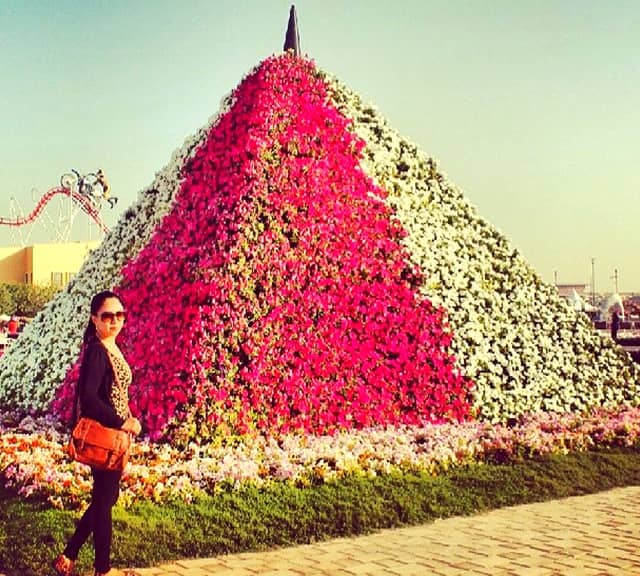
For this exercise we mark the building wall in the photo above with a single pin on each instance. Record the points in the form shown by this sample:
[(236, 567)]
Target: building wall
[(44, 264), (566, 290), (12, 264)]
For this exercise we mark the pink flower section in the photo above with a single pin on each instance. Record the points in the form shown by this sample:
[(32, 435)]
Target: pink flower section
[(276, 296)]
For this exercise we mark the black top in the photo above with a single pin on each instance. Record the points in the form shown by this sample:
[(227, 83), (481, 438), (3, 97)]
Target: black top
[(94, 387), (292, 37)]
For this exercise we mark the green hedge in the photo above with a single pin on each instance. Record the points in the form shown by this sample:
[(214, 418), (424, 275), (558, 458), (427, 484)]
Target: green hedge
[(24, 299)]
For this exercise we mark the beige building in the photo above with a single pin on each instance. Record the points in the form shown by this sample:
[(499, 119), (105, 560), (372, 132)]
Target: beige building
[(566, 290), (43, 264)]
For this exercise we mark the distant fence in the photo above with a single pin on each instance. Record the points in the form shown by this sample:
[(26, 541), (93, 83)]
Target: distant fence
[(624, 325), (628, 335)]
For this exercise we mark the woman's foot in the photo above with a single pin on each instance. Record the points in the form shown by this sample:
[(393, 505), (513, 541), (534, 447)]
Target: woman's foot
[(63, 566)]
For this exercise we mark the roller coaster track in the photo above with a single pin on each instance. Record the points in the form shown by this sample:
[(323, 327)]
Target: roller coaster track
[(83, 202)]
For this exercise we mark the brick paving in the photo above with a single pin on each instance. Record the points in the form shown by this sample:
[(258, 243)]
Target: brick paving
[(594, 535)]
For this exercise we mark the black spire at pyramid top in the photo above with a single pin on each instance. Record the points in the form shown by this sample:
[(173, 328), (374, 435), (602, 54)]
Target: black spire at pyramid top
[(292, 39)]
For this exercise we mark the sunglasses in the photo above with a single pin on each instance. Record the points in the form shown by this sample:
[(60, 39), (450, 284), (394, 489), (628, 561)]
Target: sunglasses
[(120, 316)]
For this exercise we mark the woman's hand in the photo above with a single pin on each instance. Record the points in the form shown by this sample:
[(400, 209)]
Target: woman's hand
[(132, 425)]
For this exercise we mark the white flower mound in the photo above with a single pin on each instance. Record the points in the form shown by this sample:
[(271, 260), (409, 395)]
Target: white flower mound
[(525, 348), (36, 364)]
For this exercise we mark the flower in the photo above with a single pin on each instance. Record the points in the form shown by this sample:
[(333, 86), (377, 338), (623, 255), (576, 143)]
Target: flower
[(524, 348), (317, 272), (34, 463)]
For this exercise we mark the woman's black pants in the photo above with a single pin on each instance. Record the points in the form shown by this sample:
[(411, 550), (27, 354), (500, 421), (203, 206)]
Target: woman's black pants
[(97, 519)]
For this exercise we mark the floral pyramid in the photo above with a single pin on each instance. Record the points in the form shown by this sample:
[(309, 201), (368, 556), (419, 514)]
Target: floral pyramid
[(300, 266)]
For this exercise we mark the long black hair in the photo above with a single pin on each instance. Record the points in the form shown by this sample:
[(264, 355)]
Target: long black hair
[(96, 303), (89, 337)]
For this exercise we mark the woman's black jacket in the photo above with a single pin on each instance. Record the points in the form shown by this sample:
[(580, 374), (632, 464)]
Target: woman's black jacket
[(94, 386)]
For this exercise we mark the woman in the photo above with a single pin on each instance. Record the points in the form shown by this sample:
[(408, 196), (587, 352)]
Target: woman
[(102, 394)]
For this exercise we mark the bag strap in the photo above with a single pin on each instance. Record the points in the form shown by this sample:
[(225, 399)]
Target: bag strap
[(76, 412)]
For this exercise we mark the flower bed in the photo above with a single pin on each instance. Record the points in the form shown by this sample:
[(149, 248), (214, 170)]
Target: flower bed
[(33, 461), (299, 266)]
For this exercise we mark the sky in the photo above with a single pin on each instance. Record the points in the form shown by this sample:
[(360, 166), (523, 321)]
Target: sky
[(530, 107)]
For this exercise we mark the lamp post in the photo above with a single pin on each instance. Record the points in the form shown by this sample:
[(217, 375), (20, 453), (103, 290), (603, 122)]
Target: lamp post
[(615, 280), (593, 281)]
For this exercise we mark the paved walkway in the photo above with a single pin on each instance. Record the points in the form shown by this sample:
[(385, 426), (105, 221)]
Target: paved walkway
[(593, 535)]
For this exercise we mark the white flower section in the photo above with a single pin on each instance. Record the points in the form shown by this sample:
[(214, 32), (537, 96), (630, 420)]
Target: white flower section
[(523, 346), (36, 364)]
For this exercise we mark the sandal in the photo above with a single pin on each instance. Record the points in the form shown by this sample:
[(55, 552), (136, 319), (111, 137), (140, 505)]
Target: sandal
[(63, 565)]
